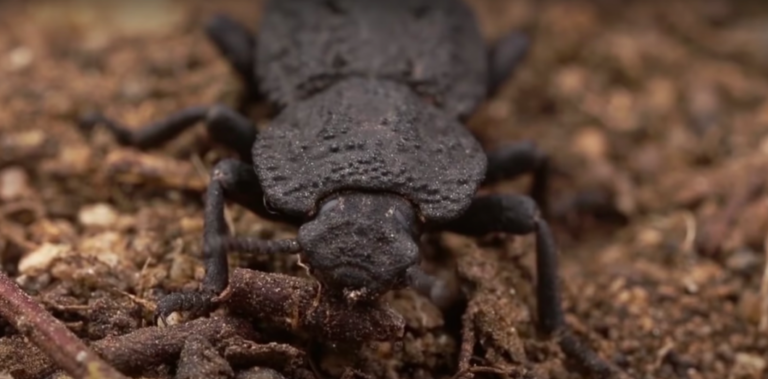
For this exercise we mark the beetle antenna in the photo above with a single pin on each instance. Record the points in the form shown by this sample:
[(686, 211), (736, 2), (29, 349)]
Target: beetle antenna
[(258, 245)]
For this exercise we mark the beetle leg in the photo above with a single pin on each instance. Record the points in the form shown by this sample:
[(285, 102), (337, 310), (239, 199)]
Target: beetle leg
[(230, 180), (504, 57), (224, 125), (232, 129), (518, 158), (519, 215), (238, 45)]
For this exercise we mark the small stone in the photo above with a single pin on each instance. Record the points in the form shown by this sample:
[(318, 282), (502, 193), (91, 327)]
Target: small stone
[(570, 81), (97, 215), (71, 160), (19, 58), (703, 275), (14, 184), (182, 268), (174, 318), (620, 112), (38, 261), (749, 364), (190, 225), (660, 96), (52, 230), (22, 146), (591, 143), (742, 260), (650, 237), (109, 247), (135, 89)]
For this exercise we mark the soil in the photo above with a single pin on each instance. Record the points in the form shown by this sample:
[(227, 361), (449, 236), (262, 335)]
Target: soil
[(654, 115)]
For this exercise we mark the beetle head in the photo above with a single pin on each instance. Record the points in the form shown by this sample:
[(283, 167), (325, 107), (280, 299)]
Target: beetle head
[(361, 244)]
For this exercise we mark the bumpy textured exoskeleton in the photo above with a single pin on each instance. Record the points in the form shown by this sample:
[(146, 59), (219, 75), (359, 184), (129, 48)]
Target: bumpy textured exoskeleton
[(367, 151)]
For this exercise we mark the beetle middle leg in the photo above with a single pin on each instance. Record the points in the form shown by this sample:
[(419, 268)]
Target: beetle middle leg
[(230, 180), (224, 125), (519, 215), (518, 158)]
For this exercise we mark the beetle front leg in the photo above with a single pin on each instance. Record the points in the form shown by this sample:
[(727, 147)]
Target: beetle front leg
[(519, 215), (518, 158), (236, 181), (224, 125)]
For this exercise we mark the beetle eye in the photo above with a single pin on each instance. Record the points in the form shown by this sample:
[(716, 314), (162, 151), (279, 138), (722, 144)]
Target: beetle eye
[(330, 204), (403, 220)]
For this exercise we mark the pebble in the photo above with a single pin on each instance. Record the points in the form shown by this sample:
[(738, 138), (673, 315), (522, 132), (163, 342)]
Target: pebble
[(620, 111), (749, 364), (570, 81), (39, 260), (182, 268), (23, 145), (20, 58), (660, 96), (591, 143), (97, 215), (14, 184), (71, 160), (742, 260), (109, 247), (190, 225)]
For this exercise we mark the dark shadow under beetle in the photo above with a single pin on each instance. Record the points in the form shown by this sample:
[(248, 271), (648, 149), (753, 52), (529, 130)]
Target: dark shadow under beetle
[(367, 151)]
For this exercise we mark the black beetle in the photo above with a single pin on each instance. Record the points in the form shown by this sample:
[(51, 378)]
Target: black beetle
[(367, 151)]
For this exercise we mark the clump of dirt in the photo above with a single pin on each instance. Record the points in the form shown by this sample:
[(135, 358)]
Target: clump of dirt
[(654, 114)]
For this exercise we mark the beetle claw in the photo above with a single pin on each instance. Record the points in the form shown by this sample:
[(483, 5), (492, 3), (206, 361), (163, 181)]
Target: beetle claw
[(196, 304)]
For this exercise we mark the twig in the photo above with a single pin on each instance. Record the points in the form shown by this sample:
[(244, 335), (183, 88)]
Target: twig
[(277, 356), (689, 243), (144, 349), (50, 335), (468, 338), (295, 304), (289, 303)]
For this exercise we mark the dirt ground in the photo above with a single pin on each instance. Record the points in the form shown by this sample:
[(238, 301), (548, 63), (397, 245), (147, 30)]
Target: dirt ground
[(654, 113)]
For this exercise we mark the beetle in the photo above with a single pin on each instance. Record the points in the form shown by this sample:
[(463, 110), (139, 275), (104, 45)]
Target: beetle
[(368, 150)]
